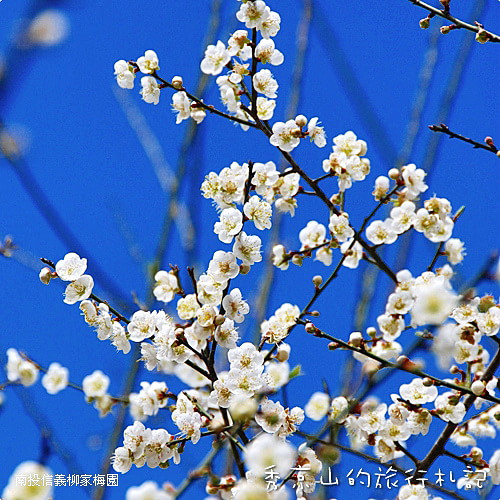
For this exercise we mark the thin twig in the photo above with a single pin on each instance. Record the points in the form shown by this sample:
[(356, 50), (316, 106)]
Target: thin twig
[(488, 144), (457, 22)]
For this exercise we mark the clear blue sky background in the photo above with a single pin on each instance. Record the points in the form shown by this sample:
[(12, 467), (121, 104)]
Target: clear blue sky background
[(95, 172)]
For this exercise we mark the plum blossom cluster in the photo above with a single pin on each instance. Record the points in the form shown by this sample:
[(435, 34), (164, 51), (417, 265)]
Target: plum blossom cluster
[(144, 446)]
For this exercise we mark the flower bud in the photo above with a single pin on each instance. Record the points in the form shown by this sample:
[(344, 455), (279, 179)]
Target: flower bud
[(283, 353), (477, 387), (244, 268), (355, 339), (445, 29), (424, 23), (317, 280), (177, 82), (371, 331), (310, 328), (301, 121), (476, 454), (393, 173), (486, 303), (482, 36), (336, 199), (219, 319), (45, 275), (427, 382), (297, 260), (328, 454)]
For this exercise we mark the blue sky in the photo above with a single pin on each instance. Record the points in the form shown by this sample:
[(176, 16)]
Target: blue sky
[(83, 152)]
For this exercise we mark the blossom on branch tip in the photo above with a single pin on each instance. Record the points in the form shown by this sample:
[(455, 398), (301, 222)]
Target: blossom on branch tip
[(253, 14), (125, 74), (71, 267)]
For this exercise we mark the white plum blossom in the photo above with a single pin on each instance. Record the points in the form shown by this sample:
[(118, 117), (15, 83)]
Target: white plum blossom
[(455, 250), (71, 267), (271, 25), (34, 489), (494, 463), (402, 217), (413, 178), (216, 58), (148, 63), (150, 90), (142, 326), (447, 410), (48, 28), (338, 409), (317, 406), (413, 492), (264, 177), (340, 227), (316, 133), (349, 144), (264, 83), (277, 375), (381, 187), (208, 290), (56, 378), (286, 136), (79, 289), (267, 53), (95, 385), (125, 74), (433, 304), (279, 257), (312, 235), (253, 14), (381, 232), (230, 224), (267, 450), (489, 322), (353, 252), (235, 306), (181, 105), (149, 490), (391, 326), (247, 248), (265, 108), (226, 334), (187, 306), (385, 449), (399, 303), (166, 286), (258, 211), (372, 416), (20, 369), (238, 43), (223, 266), (417, 393)]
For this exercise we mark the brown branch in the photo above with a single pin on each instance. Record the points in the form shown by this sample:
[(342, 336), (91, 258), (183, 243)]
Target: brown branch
[(403, 366), (457, 23), (488, 142), (439, 446)]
